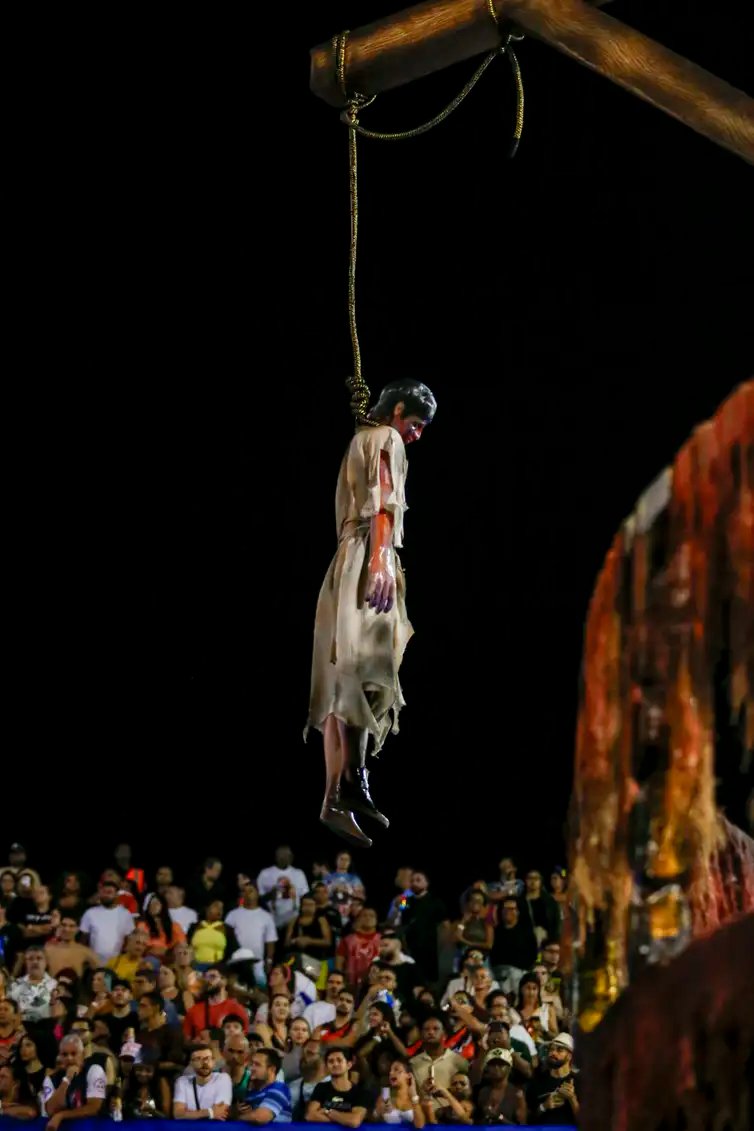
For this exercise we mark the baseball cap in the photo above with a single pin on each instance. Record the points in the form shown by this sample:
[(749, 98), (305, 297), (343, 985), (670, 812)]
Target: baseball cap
[(565, 1040), (16, 847), (505, 1055)]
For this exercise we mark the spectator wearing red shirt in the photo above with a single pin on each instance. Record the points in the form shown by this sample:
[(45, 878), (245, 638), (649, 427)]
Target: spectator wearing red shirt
[(214, 1006), (357, 951), (342, 1030)]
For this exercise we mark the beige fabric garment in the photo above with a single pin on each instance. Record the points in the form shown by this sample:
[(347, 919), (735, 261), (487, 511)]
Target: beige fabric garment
[(357, 652)]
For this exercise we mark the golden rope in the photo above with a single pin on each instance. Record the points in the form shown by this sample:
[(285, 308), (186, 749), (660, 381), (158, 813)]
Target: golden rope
[(354, 103), (356, 384), (402, 135)]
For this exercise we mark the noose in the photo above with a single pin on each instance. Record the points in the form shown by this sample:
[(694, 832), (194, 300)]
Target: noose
[(354, 103)]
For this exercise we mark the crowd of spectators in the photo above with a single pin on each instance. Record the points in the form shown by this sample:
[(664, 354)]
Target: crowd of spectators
[(284, 997)]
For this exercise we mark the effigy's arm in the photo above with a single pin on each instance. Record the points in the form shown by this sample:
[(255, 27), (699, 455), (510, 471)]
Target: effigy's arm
[(380, 594)]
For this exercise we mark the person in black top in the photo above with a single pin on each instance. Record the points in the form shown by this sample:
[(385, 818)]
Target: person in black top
[(514, 948), (207, 886), (337, 1100), (36, 1056), (552, 1093), (423, 917), (11, 939), (310, 932), (542, 909)]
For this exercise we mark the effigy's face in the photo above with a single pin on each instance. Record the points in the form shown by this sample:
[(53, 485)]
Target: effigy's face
[(409, 428)]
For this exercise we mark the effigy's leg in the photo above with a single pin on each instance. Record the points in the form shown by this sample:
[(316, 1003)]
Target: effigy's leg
[(336, 810), (354, 742)]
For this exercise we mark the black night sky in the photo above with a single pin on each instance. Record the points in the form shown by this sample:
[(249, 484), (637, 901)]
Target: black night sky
[(184, 226)]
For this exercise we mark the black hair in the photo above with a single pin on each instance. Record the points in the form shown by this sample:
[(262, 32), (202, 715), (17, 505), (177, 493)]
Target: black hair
[(75, 915), (168, 926), (274, 1058), (347, 1053), (156, 999), (219, 968), (526, 979), (234, 1017), (435, 1015), (418, 400), (493, 995), (384, 1009)]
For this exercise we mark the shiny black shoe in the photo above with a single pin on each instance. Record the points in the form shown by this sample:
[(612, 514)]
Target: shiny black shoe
[(356, 794), (336, 815)]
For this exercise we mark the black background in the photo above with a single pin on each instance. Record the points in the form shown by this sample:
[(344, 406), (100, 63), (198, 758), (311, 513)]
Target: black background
[(180, 208)]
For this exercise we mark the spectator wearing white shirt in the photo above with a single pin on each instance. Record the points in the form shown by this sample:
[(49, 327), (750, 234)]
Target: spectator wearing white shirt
[(322, 1012), (269, 878), (184, 916), (255, 930), (106, 926), (204, 1094)]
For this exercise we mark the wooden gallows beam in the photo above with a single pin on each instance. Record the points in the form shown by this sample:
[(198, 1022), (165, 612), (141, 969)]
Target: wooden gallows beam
[(431, 36)]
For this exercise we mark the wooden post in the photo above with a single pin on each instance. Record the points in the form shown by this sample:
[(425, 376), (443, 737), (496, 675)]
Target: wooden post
[(431, 36)]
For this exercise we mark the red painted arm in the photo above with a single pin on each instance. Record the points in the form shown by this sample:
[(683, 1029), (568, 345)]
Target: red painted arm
[(380, 594)]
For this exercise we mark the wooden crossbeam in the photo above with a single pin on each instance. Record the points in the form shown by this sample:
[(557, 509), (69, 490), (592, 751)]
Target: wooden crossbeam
[(437, 33)]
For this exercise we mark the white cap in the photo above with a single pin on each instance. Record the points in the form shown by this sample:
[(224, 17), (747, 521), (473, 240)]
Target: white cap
[(243, 954)]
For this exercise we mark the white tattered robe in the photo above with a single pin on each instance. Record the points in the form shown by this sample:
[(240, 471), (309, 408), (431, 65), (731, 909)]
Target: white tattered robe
[(357, 651)]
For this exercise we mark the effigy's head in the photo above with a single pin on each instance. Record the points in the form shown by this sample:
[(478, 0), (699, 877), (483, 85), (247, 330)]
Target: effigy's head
[(407, 406)]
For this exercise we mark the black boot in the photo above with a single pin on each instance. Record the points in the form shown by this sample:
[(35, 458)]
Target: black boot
[(337, 816), (356, 794)]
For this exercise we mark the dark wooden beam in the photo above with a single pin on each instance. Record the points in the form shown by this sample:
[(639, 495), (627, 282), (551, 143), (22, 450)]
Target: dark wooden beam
[(437, 33)]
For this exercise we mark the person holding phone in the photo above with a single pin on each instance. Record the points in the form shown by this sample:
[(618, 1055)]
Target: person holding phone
[(435, 1065)]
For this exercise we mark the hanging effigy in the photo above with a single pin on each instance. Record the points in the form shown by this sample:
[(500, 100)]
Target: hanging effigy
[(361, 624)]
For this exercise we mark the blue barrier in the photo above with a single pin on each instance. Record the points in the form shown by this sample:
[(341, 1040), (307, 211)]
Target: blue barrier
[(7, 1124)]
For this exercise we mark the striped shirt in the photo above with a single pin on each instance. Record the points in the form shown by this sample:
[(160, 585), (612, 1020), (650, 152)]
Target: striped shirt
[(276, 1097)]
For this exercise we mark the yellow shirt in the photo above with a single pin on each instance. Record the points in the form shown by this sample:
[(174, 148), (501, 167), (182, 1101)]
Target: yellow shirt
[(209, 942), (125, 967)]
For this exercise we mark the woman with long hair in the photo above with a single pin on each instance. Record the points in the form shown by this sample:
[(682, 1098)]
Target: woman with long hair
[(36, 1059), (100, 993), (147, 1095), (187, 978), (309, 932), (399, 1102), (275, 1032), (559, 889), (163, 932), (380, 1035), (475, 929), (532, 1009), (167, 984), (299, 1032), (283, 980), (62, 1013)]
